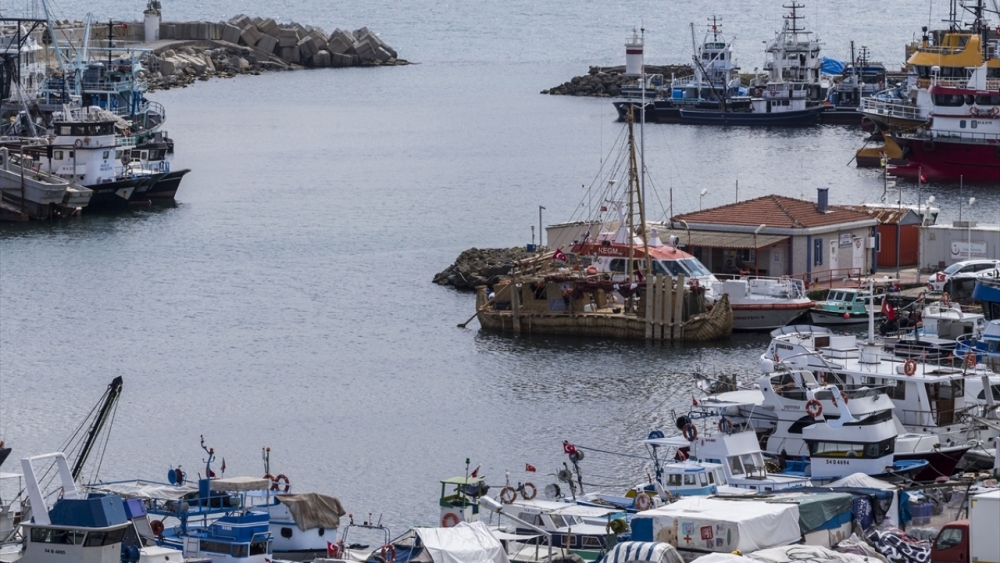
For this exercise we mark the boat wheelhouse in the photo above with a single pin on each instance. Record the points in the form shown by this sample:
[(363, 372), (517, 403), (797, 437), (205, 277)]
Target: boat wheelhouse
[(843, 305)]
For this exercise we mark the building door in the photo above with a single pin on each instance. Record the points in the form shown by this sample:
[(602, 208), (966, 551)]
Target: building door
[(832, 262), (858, 256)]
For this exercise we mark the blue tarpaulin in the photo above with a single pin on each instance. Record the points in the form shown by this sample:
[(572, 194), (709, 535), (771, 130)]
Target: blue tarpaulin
[(832, 66)]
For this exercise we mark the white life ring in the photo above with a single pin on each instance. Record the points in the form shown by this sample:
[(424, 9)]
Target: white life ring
[(643, 502)]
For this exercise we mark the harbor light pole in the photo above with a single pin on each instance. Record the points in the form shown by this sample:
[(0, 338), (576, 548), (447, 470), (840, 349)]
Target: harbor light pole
[(540, 237), (701, 196)]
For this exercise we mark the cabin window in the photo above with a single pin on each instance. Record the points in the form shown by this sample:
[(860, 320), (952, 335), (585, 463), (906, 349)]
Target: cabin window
[(69, 537), (996, 393), (894, 390), (258, 547), (975, 124), (557, 521), (949, 100), (618, 265), (673, 480), (703, 479), (591, 542), (711, 478), (749, 463), (71, 155), (988, 99), (214, 546), (689, 479), (57, 155), (65, 130), (107, 154), (961, 124), (104, 538), (722, 478), (240, 550), (570, 540), (735, 466)]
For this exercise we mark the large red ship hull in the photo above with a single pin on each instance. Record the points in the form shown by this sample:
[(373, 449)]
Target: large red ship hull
[(942, 160)]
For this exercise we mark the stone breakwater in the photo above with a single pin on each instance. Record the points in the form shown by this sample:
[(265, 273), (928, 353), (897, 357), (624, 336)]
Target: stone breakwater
[(245, 45), (481, 266), (606, 82)]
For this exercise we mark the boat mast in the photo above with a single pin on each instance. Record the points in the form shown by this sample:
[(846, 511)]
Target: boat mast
[(635, 199), (110, 398)]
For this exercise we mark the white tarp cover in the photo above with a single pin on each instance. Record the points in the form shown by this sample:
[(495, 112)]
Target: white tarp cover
[(706, 524), (655, 552), (723, 558), (146, 490), (240, 484), (810, 553), (863, 481), (464, 543)]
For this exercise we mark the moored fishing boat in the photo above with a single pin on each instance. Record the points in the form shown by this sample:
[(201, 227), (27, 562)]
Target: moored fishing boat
[(842, 306)]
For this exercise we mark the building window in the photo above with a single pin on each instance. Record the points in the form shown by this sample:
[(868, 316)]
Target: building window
[(818, 251)]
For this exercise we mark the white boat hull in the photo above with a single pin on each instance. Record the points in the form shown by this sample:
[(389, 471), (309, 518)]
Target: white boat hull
[(762, 318), (833, 318)]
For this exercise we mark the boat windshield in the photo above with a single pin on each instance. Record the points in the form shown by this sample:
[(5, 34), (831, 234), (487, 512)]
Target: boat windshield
[(673, 267), (695, 267)]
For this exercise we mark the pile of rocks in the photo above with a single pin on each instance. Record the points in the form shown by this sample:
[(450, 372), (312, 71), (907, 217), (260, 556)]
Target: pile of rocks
[(481, 266), (309, 45), (183, 65), (606, 82)]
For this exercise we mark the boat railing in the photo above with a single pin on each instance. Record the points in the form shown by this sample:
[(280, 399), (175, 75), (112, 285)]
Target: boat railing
[(967, 137), (830, 277), (899, 110)]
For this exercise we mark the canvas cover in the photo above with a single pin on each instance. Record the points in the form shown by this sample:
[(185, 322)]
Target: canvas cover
[(656, 552), (144, 490), (707, 524), (799, 553), (464, 543), (862, 481), (723, 558), (240, 484), (313, 510), (816, 509)]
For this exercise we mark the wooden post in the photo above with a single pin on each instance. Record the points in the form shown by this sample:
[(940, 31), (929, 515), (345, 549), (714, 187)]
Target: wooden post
[(650, 299), (515, 306), (676, 317), (664, 304)]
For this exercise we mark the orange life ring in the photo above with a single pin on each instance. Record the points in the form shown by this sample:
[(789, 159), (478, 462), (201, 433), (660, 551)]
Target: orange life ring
[(276, 483), (528, 491), (969, 360), (843, 395), (157, 527), (389, 553), (910, 367), (680, 455), (995, 110), (814, 408), (690, 432), (946, 299), (974, 111), (643, 502), (508, 495), (449, 520), (591, 270)]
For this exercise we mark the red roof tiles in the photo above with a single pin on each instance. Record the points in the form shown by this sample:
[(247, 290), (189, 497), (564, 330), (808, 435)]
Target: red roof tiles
[(774, 211)]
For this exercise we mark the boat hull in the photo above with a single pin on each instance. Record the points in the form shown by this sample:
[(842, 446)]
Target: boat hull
[(165, 187), (943, 160), (638, 110), (765, 317), (819, 317), (840, 116), (116, 196), (798, 118), (940, 462)]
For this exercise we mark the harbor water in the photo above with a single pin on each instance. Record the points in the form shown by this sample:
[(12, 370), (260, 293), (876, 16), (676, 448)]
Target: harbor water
[(285, 301)]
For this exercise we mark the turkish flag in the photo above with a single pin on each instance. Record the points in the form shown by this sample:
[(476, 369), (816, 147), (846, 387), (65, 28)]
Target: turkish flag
[(888, 310), (331, 550), (923, 178), (529, 468), (559, 255)]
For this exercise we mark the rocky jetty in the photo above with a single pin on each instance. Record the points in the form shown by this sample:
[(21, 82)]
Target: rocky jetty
[(606, 82), (481, 266), (245, 45)]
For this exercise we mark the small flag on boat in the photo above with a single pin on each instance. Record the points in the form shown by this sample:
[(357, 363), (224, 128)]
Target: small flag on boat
[(475, 472), (888, 310), (124, 25), (923, 178), (604, 208), (694, 401), (529, 468), (559, 255), (568, 448), (223, 465), (331, 550)]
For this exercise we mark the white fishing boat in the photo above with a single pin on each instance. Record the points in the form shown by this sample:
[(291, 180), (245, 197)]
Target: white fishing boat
[(762, 303)]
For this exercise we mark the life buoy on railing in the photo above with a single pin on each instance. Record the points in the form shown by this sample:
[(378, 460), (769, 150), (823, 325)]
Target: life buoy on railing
[(946, 299), (389, 553), (814, 408), (157, 528), (974, 111), (725, 425), (78, 143), (690, 432), (528, 491), (910, 367), (995, 111), (508, 495), (643, 502), (277, 481), (969, 360), (450, 519), (843, 395), (591, 270)]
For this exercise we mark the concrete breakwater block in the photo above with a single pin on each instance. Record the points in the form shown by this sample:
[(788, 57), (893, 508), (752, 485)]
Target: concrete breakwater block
[(307, 48), (250, 35), (288, 37), (321, 59), (289, 54), (267, 26), (267, 43), (340, 42), (240, 21), (365, 51), (341, 60), (231, 33)]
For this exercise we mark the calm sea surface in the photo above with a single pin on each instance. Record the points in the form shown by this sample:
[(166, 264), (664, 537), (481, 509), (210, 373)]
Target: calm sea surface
[(285, 301)]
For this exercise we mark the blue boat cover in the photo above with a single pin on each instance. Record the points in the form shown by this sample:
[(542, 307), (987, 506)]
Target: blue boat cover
[(831, 66), (94, 512)]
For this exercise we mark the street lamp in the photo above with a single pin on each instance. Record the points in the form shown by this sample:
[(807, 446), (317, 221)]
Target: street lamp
[(703, 192), (968, 224), (756, 257), (540, 237)]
